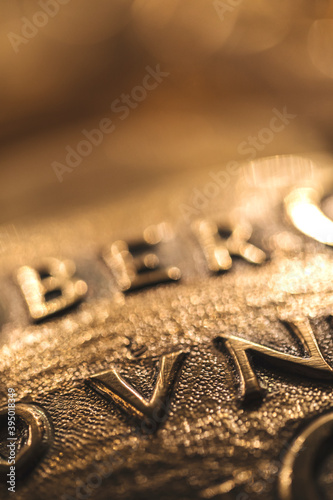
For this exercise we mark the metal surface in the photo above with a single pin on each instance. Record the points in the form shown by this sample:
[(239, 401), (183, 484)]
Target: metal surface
[(141, 387)]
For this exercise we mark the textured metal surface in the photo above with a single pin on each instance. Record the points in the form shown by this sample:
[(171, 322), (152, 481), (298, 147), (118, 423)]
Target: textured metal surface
[(210, 445)]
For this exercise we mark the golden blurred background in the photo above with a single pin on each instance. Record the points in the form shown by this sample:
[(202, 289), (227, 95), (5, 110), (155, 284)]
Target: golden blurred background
[(98, 98)]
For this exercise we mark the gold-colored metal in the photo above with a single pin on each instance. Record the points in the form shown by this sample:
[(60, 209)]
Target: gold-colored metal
[(112, 386), (135, 266), (302, 207), (112, 366), (219, 250), (297, 479), (312, 366), (39, 436), (50, 288)]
